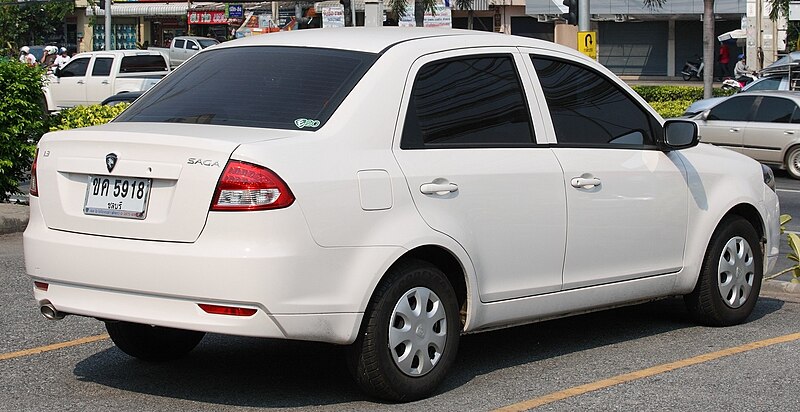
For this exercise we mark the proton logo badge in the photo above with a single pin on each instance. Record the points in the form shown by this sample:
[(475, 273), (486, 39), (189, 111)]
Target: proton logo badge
[(111, 161)]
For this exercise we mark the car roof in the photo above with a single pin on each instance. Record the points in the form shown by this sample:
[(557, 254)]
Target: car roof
[(120, 53), (378, 39)]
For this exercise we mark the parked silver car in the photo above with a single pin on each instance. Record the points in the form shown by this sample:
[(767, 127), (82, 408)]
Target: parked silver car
[(764, 125)]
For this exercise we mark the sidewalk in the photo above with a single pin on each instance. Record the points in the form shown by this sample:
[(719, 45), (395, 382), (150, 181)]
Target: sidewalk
[(13, 218)]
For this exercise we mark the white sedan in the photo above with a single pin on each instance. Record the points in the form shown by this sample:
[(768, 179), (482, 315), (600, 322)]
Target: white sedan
[(388, 189)]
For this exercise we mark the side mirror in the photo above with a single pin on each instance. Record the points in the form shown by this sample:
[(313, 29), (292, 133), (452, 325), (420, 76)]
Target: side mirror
[(57, 72), (194, 47), (679, 134), (704, 115)]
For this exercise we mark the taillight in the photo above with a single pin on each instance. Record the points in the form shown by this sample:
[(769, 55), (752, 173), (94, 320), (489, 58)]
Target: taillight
[(34, 181), (245, 186)]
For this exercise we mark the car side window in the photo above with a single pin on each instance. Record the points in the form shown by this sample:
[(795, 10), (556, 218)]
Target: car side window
[(736, 108), (769, 83), (102, 66), (775, 110), (75, 68), (475, 101), (190, 44), (179, 43), (588, 109)]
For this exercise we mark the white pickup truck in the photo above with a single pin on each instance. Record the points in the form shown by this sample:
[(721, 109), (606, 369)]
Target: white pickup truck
[(91, 77), (183, 47)]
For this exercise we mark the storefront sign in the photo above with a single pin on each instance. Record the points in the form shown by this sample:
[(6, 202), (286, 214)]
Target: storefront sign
[(333, 16), (440, 18), (207, 17), (235, 11)]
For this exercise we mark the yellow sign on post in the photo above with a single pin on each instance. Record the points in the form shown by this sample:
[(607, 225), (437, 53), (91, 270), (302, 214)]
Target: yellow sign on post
[(587, 43)]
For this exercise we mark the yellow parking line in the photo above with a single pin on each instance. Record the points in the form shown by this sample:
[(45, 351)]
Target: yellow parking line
[(55, 346), (644, 373)]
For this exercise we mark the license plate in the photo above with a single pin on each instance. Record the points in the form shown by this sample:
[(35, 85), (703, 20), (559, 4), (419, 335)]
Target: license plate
[(117, 196)]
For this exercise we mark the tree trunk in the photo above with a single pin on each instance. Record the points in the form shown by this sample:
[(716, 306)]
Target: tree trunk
[(708, 48), (419, 13), (470, 16)]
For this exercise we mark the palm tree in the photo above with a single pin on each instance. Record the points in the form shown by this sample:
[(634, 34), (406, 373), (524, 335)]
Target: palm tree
[(397, 9), (466, 5)]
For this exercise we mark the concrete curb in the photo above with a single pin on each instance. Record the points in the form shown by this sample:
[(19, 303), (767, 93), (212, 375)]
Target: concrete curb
[(13, 218), (781, 289)]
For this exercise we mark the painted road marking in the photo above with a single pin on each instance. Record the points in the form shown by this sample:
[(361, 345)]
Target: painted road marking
[(55, 346), (644, 373)]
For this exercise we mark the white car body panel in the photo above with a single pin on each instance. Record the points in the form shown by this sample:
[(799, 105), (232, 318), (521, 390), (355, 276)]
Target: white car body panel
[(311, 268)]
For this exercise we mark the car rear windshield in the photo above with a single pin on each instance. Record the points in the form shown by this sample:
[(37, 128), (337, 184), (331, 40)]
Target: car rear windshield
[(296, 88), (141, 64)]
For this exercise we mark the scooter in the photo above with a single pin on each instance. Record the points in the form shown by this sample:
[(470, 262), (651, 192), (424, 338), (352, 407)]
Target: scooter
[(735, 85), (692, 69)]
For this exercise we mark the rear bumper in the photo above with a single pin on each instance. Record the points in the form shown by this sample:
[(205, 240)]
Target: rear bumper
[(261, 260)]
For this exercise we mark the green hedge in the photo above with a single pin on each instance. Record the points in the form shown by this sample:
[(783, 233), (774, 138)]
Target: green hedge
[(675, 93), (672, 108), (23, 120), (85, 116)]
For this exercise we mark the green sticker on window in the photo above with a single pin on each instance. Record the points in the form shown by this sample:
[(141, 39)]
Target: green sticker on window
[(303, 123)]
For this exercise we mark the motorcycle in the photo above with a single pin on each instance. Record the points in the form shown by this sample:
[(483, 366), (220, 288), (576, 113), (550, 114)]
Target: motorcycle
[(692, 69), (736, 85)]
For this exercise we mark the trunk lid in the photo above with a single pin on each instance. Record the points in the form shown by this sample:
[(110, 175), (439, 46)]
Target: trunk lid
[(175, 166)]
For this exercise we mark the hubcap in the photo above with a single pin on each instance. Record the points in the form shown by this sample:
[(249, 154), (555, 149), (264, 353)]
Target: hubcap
[(417, 331), (794, 163), (736, 272)]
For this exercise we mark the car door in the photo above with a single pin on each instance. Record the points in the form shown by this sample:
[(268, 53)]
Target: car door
[(725, 123), (69, 88), (773, 129), (468, 146), (98, 82), (178, 51), (627, 201)]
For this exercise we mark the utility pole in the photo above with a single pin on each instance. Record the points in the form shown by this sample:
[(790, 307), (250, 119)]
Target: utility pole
[(584, 18), (108, 24)]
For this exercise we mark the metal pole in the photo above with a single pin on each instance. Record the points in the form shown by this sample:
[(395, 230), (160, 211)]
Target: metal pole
[(108, 25), (584, 18)]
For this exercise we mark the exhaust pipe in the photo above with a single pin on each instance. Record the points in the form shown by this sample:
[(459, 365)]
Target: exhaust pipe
[(49, 312)]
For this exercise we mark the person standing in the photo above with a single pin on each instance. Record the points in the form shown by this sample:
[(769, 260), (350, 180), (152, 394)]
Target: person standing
[(724, 60)]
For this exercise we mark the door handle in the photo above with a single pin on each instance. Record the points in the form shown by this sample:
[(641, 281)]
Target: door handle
[(734, 130), (583, 182), (104, 82), (80, 81), (788, 132), (438, 188)]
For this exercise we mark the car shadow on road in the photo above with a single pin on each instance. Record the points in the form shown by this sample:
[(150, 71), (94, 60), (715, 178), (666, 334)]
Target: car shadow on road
[(251, 372)]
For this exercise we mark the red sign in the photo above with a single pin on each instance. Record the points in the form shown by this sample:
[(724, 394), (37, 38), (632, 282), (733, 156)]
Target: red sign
[(207, 17)]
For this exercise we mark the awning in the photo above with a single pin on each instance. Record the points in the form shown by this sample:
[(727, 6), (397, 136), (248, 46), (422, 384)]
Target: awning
[(733, 35), (144, 9)]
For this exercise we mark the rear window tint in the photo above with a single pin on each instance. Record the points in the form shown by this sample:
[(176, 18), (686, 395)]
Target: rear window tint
[(139, 64), (296, 88)]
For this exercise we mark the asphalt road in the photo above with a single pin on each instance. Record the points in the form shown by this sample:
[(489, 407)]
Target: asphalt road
[(493, 370)]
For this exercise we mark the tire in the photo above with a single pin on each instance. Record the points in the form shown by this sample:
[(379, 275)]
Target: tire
[(396, 322), (730, 278), (792, 162), (152, 343), (686, 77)]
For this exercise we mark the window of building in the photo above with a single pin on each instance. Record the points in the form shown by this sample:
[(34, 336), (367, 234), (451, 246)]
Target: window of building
[(467, 102)]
